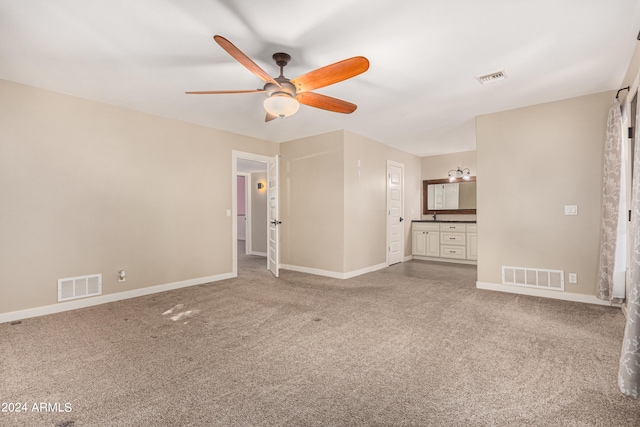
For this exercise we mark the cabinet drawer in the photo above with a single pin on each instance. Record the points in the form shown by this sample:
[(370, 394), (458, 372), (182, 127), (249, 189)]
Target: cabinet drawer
[(457, 252), (452, 238), (421, 226), (472, 228), (461, 228)]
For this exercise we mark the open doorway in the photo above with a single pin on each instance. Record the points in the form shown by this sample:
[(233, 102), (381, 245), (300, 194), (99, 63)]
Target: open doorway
[(254, 196), (251, 212)]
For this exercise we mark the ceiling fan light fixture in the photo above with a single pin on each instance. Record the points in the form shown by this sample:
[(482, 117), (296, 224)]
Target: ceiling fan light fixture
[(281, 105)]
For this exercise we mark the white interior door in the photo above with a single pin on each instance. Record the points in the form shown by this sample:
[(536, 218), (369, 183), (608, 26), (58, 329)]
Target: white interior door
[(395, 224), (273, 258)]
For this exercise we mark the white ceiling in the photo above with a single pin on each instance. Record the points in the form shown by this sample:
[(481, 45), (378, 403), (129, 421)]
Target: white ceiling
[(420, 93)]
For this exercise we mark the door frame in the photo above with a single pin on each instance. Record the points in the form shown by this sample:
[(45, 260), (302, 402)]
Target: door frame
[(235, 155), (388, 230)]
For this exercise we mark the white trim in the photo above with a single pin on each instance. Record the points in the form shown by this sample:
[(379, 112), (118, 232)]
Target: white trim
[(103, 299), (408, 258), (544, 293), (365, 270), (333, 274)]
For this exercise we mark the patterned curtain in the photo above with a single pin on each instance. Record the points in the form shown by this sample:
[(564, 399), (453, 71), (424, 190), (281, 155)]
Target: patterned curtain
[(612, 230), (629, 373)]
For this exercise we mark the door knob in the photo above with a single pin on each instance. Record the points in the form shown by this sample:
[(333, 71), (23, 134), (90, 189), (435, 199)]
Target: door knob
[(401, 219), (276, 222)]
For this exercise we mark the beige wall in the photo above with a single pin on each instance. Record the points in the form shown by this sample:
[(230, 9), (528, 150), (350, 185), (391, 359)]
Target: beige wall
[(531, 163), (365, 200), (259, 213), (91, 188), (437, 167), (334, 220), (312, 202)]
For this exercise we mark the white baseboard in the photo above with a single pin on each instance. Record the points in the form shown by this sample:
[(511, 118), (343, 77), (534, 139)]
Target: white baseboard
[(103, 299), (565, 296), (407, 258), (264, 254), (333, 274)]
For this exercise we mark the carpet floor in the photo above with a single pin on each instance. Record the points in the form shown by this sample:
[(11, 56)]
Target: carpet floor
[(413, 344)]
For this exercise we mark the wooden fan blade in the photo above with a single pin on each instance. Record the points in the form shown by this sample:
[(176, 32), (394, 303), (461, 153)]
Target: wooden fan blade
[(326, 102), (331, 74), (217, 92), (270, 117), (244, 60)]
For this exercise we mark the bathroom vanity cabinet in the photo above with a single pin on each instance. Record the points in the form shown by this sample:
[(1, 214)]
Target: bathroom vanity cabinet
[(448, 241)]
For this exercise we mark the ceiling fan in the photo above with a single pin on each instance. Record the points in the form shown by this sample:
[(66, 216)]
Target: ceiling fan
[(284, 96)]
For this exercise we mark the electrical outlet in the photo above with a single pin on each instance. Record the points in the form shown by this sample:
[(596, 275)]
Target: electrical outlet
[(573, 278), (122, 276)]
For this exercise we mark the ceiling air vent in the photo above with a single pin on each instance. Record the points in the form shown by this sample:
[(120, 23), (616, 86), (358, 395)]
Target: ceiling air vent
[(493, 77)]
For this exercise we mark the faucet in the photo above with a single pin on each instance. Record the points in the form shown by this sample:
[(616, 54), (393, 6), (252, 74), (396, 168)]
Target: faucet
[(434, 216)]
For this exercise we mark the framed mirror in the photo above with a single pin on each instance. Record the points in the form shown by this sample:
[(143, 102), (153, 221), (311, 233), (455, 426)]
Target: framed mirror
[(444, 197)]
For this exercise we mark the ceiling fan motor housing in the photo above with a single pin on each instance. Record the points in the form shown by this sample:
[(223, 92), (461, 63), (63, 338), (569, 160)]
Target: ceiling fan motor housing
[(287, 89)]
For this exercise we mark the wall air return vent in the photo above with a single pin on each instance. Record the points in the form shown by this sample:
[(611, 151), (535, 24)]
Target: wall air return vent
[(533, 278), (79, 287), (493, 77)]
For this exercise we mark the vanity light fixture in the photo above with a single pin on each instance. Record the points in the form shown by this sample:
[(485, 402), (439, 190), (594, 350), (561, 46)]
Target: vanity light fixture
[(454, 174), (260, 186)]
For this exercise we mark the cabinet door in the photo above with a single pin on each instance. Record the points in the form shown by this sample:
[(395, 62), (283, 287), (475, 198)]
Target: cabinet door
[(419, 246), (472, 246), (432, 243)]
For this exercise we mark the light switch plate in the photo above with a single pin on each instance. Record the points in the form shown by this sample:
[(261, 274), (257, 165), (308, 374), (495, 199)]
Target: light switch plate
[(571, 210)]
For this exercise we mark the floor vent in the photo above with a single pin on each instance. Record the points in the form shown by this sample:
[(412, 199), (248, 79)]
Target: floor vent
[(533, 278), (79, 287)]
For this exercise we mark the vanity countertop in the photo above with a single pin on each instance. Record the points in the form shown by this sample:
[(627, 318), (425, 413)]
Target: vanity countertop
[(443, 220)]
